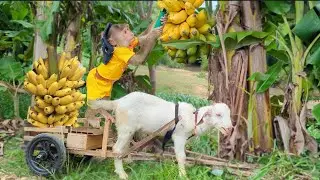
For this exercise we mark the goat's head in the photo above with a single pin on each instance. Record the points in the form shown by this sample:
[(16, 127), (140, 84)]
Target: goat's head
[(218, 116)]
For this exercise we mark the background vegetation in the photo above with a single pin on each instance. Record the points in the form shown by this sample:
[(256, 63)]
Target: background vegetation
[(290, 35)]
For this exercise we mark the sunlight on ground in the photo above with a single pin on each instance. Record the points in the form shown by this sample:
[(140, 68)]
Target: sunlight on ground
[(187, 81)]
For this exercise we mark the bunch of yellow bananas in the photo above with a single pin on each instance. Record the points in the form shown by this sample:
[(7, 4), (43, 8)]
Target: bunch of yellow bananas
[(184, 23), (57, 99)]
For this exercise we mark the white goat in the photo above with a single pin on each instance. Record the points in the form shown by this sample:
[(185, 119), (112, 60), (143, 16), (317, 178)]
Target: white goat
[(141, 111)]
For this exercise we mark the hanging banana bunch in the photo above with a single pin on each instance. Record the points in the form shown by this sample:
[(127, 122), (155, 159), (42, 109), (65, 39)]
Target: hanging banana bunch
[(57, 100), (184, 23)]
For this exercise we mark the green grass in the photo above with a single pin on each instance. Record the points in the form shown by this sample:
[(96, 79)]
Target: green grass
[(185, 81), (76, 168)]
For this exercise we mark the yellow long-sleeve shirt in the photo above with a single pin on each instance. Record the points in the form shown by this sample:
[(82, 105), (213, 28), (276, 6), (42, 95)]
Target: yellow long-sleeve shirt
[(100, 79)]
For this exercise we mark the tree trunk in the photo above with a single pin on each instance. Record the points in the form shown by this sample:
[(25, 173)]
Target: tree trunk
[(40, 48), (94, 37), (152, 74), (152, 69), (15, 98), (73, 38), (262, 125), (227, 76)]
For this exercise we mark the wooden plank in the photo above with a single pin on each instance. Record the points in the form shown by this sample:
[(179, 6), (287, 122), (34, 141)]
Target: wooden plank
[(191, 160), (87, 130), (47, 130), (105, 138), (29, 138), (96, 153), (83, 141), (82, 120), (149, 138)]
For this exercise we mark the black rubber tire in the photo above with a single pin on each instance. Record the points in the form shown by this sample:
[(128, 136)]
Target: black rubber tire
[(59, 159)]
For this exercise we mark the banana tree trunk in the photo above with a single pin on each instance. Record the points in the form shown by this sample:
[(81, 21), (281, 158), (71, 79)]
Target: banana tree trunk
[(93, 36), (40, 47), (227, 76), (145, 15), (94, 45), (152, 74), (73, 38), (261, 139)]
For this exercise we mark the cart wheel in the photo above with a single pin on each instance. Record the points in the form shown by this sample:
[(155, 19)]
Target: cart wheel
[(45, 154)]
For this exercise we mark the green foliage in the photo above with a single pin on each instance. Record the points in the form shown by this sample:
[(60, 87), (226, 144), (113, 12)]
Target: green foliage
[(46, 26), (278, 7), (77, 167), (195, 101), (16, 30), (266, 80), (156, 54), (6, 104), (232, 40), (316, 112), (107, 11), (282, 166), (10, 70), (166, 61), (310, 18), (279, 48), (236, 40)]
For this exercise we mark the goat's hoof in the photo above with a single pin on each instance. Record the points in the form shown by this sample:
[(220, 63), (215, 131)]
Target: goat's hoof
[(123, 175)]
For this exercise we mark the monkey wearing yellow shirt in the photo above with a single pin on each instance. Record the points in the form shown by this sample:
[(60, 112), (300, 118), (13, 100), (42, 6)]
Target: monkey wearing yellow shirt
[(118, 43)]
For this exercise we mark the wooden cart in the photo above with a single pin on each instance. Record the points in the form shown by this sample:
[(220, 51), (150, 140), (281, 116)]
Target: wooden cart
[(47, 148)]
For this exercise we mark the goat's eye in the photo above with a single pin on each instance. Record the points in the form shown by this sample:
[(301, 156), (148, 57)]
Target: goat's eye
[(218, 114)]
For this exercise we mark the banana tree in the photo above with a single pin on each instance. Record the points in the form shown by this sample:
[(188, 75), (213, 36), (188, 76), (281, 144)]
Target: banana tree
[(11, 78), (230, 63), (297, 52)]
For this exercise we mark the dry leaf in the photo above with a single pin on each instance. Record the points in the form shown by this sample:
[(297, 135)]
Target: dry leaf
[(310, 143), (284, 132), (1, 148), (299, 141)]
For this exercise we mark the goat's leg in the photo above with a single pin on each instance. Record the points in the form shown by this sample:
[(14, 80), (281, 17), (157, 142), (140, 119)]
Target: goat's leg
[(120, 147), (179, 149)]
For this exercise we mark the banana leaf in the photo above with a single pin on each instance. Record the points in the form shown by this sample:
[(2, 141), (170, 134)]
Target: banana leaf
[(309, 26), (183, 44), (316, 112), (117, 91), (270, 77), (278, 7), (233, 40), (143, 81), (155, 55)]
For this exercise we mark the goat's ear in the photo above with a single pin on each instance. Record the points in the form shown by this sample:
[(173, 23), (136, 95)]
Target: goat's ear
[(204, 112)]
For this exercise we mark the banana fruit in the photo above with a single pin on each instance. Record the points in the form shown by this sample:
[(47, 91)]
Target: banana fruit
[(57, 98), (185, 22)]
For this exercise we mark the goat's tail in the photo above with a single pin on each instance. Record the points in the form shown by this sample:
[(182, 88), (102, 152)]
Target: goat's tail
[(103, 104)]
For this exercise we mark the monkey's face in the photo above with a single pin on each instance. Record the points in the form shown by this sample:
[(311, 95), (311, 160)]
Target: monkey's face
[(122, 37)]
